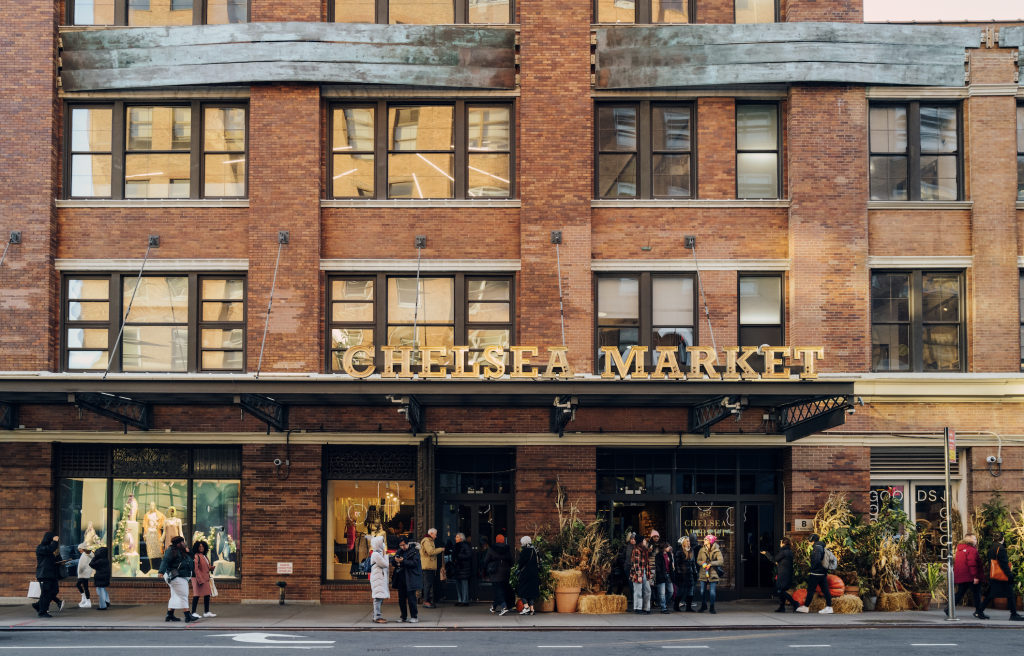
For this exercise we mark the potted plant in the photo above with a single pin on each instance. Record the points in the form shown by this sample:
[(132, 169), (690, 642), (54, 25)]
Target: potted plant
[(933, 579)]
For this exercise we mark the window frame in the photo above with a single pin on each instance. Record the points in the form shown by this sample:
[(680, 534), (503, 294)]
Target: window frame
[(116, 315), (382, 13), (380, 314), (645, 308), (777, 151), (381, 152), (119, 146), (643, 14), (913, 152), (221, 325), (199, 13), (778, 15), (66, 324), (1020, 151), (645, 148), (757, 361), (917, 321)]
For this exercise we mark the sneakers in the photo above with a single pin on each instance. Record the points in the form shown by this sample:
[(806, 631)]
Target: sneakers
[(525, 611), (401, 619), (803, 609), (414, 621), (827, 610), (380, 621), (208, 614), (60, 605), (503, 611), (86, 604), (81, 604), (492, 609)]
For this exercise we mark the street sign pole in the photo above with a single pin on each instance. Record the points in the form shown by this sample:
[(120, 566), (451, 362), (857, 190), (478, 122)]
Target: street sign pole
[(949, 456)]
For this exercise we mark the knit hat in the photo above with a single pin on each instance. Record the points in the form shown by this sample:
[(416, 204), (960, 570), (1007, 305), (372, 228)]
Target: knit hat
[(500, 539), (712, 539)]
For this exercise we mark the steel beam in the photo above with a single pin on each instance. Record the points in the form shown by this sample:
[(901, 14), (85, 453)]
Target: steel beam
[(705, 415), (8, 416), (271, 412), (118, 408), (808, 416)]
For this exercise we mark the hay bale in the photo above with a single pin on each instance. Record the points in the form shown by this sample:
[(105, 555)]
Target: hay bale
[(602, 604), (568, 578), (817, 604), (895, 602), (848, 605)]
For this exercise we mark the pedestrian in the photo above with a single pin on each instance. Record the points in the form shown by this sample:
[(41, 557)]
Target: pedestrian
[(46, 573), (652, 547), (817, 577), (202, 585), (408, 578), (177, 568), (1000, 583), (686, 573), (664, 567), (640, 576), (709, 559), (428, 563), (378, 578), (623, 562), (498, 565), (528, 588), (84, 572), (783, 574), (101, 577), (463, 557), (968, 571)]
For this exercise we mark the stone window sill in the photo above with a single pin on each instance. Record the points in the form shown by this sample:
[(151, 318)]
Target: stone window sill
[(371, 204), (139, 203), (925, 205), (721, 204)]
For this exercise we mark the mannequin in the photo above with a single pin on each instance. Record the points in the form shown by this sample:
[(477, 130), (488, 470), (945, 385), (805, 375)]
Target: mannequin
[(172, 526), (133, 505), (153, 522), (91, 538)]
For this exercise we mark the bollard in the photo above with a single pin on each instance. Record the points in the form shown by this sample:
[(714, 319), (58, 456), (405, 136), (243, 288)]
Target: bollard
[(281, 584)]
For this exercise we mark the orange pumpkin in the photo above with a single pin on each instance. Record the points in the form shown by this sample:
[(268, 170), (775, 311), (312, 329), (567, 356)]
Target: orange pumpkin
[(800, 596), (836, 588)]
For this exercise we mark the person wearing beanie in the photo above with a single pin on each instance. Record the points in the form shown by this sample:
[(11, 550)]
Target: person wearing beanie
[(84, 572), (528, 587), (46, 573), (686, 572), (709, 559), (498, 566), (653, 548), (177, 567)]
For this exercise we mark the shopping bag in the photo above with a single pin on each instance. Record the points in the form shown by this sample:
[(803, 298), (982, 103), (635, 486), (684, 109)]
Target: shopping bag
[(33, 590), (213, 588)]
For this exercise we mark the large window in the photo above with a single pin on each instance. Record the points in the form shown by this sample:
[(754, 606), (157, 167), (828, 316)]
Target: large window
[(645, 150), (460, 150), (186, 150), (644, 11), (755, 11), (761, 312), (651, 310), (454, 310), (915, 152), (423, 12), (160, 332), (757, 151), (155, 494), (144, 13), (917, 321), (1020, 152)]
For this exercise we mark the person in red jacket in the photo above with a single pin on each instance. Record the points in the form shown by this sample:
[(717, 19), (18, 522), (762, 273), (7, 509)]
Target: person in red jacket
[(968, 571)]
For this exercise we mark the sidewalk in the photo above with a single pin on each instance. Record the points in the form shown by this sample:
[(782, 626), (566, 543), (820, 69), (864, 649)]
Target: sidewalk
[(300, 617)]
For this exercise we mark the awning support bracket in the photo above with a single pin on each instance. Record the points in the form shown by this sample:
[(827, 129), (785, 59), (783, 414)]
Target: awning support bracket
[(705, 415), (413, 412), (812, 415), (271, 412), (118, 408), (562, 412), (8, 416)]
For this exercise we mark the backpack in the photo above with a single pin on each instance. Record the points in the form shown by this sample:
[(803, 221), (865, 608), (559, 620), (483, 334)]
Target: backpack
[(829, 560)]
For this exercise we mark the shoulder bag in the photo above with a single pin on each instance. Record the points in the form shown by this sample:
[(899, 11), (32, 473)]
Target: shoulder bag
[(995, 572)]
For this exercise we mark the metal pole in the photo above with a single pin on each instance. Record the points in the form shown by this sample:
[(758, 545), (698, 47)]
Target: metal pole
[(270, 304), (112, 352), (950, 547), (561, 311), (707, 314), (416, 303)]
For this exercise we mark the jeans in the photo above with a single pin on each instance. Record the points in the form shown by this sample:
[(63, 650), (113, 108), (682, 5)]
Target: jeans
[(83, 587), (642, 595), (406, 598), (499, 596), (815, 581), (462, 588), (664, 594), (708, 588), (429, 576), (961, 592), (104, 597), (48, 589), (376, 609)]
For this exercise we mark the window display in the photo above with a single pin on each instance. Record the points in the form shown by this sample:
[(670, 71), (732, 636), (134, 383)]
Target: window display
[(83, 511), (140, 539), (215, 519), (360, 510)]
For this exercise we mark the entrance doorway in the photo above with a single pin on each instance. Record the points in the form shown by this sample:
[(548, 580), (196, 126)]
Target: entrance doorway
[(758, 533), (481, 523)]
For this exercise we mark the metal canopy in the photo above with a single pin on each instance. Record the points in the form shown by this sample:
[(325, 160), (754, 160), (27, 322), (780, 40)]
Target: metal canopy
[(128, 411)]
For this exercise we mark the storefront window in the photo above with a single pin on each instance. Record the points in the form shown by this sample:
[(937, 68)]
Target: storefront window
[(147, 515), (83, 512), (216, 520), (925, 505), (360, 510), (715, 519)]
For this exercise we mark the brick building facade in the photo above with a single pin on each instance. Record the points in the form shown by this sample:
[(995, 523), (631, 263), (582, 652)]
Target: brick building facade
[(875, 213)]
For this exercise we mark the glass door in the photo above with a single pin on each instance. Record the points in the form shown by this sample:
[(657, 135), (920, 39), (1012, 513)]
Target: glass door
[(757, 528), (481, 523)]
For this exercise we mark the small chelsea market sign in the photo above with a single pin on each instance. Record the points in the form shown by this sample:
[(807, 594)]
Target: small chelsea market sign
[(526, 364)]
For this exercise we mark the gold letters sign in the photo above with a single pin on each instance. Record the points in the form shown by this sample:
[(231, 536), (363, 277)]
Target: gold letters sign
[(527, 362)]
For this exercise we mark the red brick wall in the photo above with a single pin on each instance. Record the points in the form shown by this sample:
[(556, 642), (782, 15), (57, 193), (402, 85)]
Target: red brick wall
[(946, 232), (119, 232), (26, 512), (1004, 418), (715, 11), (829, 11), (266, 11), (810, 473), (538, 468), (1009, 482), (716, 148)]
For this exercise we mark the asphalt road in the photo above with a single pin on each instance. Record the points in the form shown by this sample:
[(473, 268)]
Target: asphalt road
[(542, 643)]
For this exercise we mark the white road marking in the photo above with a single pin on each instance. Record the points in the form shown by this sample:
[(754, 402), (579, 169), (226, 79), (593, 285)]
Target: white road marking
[(435, 646), (265, 638), (175, 647), (798, 646), (559, 646), (933, 644), (685, 647)]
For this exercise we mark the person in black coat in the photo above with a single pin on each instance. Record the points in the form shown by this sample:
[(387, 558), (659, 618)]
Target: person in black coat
[(101, 568), (783, 574), (620, 572), (528, 587), (996, 588), (664, 574), (686, 573), (46, 573), (408, 578), (462, 556), (498, 565)]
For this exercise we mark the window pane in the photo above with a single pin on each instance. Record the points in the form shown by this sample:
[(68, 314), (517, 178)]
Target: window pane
[(159, 300), (421, 176), (622, 338), (761, 300), (1020, 128), (671, 175), (352, 290), (344, 338), (671, 128), (355, 11), (93, 338), (88, 311), (217, 521), (1020, 177), (941, 347), (82, 513), (155, 348), (489, 175), (757, 175), (488, 312), (489, 128), (616, 11), (421, 12), (217, 311), (436, 302), (938, 130), (94, 12), (218, 338), (488, 290), (425, 336), (352, 312), (421, 128), (672, 300), (353, 176), (890, 297), (670, 11), (224, 129), (481, 339), (139, 507), (90, 175), (618, 302), (354, 126), (940, 297), (230, 360), (890, 347), (160, 128), (938, 177), (488, 11), (616, 128), (755, 11), (89, 289), (888, 178), (673, 338), (222, 12), (757, 127), (91, 129), (159, 12), (87, 359), (224, 175), (156, 176), (223, 289), (617, 176), (888, 129)]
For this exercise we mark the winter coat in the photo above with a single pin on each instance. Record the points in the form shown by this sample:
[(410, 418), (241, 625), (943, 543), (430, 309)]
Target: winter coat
[(967, 566), (818, 559), (379, 570), (410, 571), (783, 568), (46, 559), (101, 568), (84, 571), (664, 565), (529, 574), (999, 589), (429, 553), (463, 557), (174, 559), (712, 557), (686, 569), (501, 556), (201, 581), (640, 564)]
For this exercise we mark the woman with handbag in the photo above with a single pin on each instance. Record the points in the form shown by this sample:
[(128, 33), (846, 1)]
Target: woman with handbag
[(710, 560), (177, 567), (202, 582), (528, 586), (1000, 584)]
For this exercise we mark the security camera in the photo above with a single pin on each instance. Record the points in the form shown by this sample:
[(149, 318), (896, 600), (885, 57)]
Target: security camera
[(278, 462), (990, 459)]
